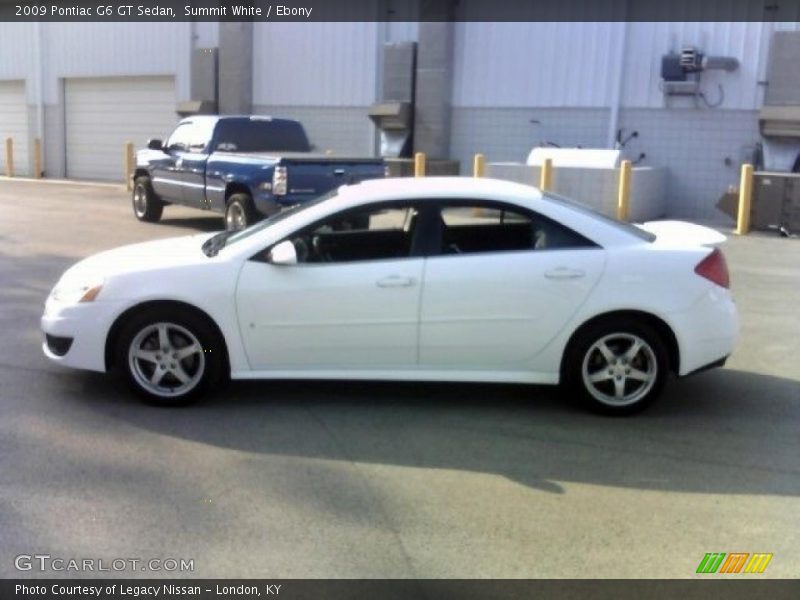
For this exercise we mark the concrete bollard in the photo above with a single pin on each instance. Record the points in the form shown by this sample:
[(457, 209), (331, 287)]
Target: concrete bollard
[(745, 200), (624, 193), (546, 175), (9, 157), (129, 165), (419, 164)]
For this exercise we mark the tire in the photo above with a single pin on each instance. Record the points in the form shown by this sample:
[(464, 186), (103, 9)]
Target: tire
[(239, 212), (147, 206), (617, 366), (193, 364)]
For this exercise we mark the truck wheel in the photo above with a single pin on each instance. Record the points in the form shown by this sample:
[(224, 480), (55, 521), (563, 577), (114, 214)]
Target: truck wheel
[(146, 205), (239, 213)]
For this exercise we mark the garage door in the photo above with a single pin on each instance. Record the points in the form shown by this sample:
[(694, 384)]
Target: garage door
[(14, 124), (102, 114)]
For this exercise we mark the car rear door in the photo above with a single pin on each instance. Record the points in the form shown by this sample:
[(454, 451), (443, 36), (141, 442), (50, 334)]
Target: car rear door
[(504, 283), (350, 302)]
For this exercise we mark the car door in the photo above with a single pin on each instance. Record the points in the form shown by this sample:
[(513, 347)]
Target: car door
[(167, 177), (351, 302), (504, 283)]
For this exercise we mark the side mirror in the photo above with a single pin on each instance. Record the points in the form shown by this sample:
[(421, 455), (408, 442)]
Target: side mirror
[(283, 254), (155, 144)]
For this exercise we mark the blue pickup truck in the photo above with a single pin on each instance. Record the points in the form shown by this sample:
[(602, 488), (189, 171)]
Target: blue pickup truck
[(245, 167)]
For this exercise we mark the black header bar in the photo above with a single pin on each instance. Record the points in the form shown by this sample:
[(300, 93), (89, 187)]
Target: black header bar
[(398, 10)]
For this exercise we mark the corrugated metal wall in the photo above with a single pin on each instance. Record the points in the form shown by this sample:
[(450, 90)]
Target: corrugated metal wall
[(572, 64), (315, 64)]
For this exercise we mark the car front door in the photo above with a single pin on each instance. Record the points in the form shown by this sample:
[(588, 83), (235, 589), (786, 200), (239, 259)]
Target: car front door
[(504, 283), (351, 301)]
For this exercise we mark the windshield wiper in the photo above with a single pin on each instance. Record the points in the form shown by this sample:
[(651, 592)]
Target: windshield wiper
[(215, 243)]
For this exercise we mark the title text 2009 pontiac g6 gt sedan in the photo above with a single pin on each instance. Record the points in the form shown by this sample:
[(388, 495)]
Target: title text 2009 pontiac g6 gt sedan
[(435, 279)]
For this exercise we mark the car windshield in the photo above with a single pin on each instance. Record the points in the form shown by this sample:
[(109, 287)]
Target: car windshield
[(622, 225), (226, 238)]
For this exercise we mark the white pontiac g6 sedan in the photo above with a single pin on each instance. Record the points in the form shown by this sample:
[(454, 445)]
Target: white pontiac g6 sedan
[(429, 279)]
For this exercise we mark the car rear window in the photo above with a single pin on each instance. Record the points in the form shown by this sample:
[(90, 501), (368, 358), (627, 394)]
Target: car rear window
[(630, 228), (260, 135)]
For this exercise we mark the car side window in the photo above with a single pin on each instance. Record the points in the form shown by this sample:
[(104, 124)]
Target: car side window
[(473, 228), (377, 233)]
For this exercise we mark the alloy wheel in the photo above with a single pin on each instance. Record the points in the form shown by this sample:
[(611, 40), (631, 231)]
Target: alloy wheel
[(619, 369), (166, 359)]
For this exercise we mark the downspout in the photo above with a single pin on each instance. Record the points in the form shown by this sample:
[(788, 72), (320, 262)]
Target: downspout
[(39, 69), (616, 90)]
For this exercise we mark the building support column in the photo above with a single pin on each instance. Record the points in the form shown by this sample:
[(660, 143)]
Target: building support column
[(235, 68)]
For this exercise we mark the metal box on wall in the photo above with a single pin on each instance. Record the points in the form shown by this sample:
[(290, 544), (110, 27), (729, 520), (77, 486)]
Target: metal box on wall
[(776, 201)]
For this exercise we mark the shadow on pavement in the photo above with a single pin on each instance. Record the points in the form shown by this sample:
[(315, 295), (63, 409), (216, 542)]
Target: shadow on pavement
[(712, 433)]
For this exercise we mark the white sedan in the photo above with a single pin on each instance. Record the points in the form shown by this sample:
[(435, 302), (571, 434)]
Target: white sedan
[(429, 279)]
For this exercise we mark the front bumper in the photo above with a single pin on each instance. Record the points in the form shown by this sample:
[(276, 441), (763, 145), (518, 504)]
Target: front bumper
[(86, 325)]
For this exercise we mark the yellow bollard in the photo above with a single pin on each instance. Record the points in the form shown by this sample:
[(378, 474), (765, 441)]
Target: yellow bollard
[(419, 164), (129, 166), (37, 158), (479, 166), (546, 175), (624, 194), (9, 157), (745, 200)]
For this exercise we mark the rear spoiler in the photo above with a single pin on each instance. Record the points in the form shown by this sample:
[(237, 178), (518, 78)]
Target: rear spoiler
[(682, 233)]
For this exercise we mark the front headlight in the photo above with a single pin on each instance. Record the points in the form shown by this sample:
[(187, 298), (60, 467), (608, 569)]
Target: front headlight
[(74, 294)]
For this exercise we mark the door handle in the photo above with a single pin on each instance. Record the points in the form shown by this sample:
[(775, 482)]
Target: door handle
[(564, 273), (395, 281)]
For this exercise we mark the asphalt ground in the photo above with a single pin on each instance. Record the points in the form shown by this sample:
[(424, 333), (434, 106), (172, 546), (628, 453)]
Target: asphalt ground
[(322, 479)]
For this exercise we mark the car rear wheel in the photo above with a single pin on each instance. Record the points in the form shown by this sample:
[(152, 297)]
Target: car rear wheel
[(239, 212), (616, 367), (170, 358), (146, 205)]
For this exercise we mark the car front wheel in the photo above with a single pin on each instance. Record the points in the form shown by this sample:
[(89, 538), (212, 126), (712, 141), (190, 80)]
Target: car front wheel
[(169, 358), (616, 367), (146, 205)]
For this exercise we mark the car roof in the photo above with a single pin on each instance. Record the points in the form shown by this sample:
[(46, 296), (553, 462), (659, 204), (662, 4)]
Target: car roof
[(440, 187)]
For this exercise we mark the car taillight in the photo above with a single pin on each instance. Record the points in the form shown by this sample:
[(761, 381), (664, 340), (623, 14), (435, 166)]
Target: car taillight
[(280, 181), (714, 268)]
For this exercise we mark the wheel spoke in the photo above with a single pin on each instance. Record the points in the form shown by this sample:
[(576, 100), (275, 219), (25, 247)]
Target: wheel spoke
[(601, 375), (163, 337), (639, 375), (180, 374), (187, 351), (148, 355), (633, 350), (619, 388), (157, 376), (606, 352)]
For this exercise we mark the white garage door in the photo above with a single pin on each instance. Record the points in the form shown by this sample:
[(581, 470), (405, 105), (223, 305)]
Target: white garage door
[(14, 124), (102, 114)]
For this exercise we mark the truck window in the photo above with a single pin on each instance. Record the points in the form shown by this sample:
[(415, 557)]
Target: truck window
[(191, 136), (260, 135)]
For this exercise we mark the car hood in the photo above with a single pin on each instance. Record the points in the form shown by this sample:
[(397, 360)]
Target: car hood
[(158, 254)]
